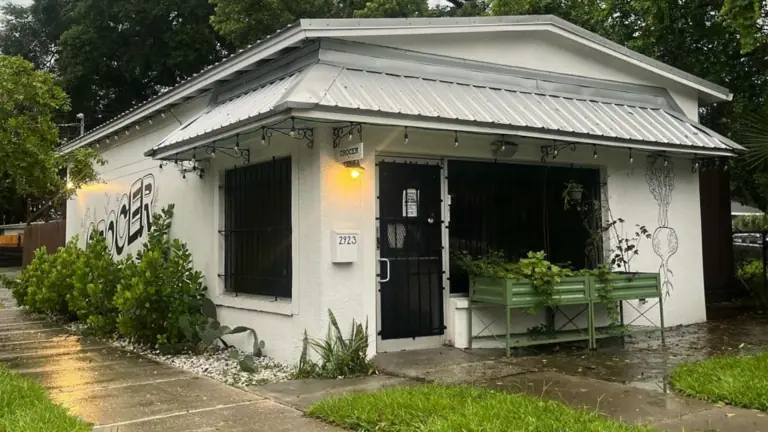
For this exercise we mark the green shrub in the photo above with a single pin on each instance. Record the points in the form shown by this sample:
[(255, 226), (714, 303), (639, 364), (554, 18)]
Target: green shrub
[(207, 332), (48, 280), (339, 357), (751, 273), (158, 288), (751, 223), (95, 282)]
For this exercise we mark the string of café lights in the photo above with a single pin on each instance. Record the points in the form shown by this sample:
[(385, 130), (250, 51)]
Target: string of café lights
[(549, 152)]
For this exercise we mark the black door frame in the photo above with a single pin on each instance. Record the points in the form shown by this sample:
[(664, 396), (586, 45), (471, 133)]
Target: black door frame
[(382, 270)]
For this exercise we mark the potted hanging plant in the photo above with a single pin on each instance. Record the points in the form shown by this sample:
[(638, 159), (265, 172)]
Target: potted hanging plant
[(573, 192)]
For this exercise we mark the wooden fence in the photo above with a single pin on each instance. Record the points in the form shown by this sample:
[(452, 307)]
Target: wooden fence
[(11, 248), (52, 235)]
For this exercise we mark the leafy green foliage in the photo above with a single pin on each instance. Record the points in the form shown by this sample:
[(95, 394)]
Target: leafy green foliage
[(534, 267), (25, 407), (339, 356), (243, 22), (751, 223), (48, 280), (448, 408), (29, 101), (158, 288), (96, 277), (740, 381), (29, 166), (751, 275), (209, 330)]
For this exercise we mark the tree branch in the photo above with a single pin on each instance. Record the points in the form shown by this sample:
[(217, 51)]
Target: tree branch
[(457, 3)]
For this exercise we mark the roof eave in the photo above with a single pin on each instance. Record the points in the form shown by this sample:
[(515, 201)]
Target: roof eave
[(384, 119), (288, 37)]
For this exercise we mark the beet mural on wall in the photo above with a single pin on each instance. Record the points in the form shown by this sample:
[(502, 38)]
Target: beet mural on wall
[(660, 176), (124, 218)]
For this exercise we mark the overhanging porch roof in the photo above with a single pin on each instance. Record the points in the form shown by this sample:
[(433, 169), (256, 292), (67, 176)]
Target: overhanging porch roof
[(332, 92)]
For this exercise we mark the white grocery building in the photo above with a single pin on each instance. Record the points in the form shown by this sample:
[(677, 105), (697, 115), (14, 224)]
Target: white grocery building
[(465, 130)]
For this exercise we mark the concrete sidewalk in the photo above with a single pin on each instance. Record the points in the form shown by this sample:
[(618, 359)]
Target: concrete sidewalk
[(118, 390)]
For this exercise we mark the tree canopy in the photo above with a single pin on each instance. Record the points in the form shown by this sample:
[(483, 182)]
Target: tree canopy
[(29, 165), (111, 55)]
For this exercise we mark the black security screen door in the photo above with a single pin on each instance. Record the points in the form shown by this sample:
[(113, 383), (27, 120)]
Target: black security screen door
[(410, 239)]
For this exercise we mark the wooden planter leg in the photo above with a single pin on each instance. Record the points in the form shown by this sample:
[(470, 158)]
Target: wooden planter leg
[(507, 313), (661, 318), (469, 345), (591, 326)]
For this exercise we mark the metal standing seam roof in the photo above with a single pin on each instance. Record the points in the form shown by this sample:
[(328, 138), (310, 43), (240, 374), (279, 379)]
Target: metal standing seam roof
[(324, 25), (374, 91), (429, 98), (239, 108)]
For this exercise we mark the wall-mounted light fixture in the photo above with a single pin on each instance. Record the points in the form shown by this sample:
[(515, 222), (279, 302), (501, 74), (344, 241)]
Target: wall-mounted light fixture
[(354, 168)]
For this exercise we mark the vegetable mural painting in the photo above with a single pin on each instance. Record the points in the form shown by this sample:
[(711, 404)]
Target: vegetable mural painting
[(660, 176)]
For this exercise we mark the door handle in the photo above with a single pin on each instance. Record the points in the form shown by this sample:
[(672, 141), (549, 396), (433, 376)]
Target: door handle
[(386, 261)]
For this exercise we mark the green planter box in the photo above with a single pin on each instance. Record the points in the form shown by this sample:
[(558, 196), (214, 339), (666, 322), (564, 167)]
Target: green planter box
[(629, 286), (520, 293)]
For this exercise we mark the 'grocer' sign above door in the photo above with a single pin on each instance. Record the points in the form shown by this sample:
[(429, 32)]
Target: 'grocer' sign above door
[(349, 153)]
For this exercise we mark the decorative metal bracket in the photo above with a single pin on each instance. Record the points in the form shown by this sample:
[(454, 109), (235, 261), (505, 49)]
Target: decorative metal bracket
[(185, 167), (552, 151), (233, 152), (705, 164), (305, 134), (346, 131)]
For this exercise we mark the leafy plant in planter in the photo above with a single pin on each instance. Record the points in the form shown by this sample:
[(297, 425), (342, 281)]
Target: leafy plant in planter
[(572, 193), (543, 275), (204, 334)]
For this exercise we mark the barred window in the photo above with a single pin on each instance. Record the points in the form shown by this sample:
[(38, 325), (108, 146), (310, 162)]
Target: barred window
[(257, 229)]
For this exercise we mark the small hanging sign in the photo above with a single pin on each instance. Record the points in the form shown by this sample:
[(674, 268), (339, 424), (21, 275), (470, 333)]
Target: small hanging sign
[(350, 153)]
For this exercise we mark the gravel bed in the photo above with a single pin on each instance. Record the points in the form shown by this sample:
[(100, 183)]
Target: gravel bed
[(214, 363)]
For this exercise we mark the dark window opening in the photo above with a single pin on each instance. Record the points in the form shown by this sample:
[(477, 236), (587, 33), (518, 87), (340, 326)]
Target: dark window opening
[(257, 232), (519, 208)]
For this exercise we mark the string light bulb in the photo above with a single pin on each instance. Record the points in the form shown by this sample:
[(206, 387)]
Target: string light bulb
[(263, 137), (594, 152), (213, 151), (293, 128), (194, 156), (237, 144), (666, 163), (631, 159), (455, 138), (405, 136)]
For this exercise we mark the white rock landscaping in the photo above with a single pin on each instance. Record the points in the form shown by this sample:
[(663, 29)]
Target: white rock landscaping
[(214, 363)]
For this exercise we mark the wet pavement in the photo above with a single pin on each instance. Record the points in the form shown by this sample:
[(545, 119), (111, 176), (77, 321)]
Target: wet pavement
[(623, 379), (642, 361), (118, 390)]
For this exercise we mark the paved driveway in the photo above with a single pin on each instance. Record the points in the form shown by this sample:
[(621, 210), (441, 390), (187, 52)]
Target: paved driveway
[(119, 390)]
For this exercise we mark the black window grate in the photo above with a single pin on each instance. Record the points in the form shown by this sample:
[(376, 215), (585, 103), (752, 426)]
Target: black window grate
[(515, 209), (257, 230)]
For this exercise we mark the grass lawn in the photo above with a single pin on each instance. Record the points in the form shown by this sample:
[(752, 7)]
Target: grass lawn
[(440, 408), (25, 407), (736, 380)]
